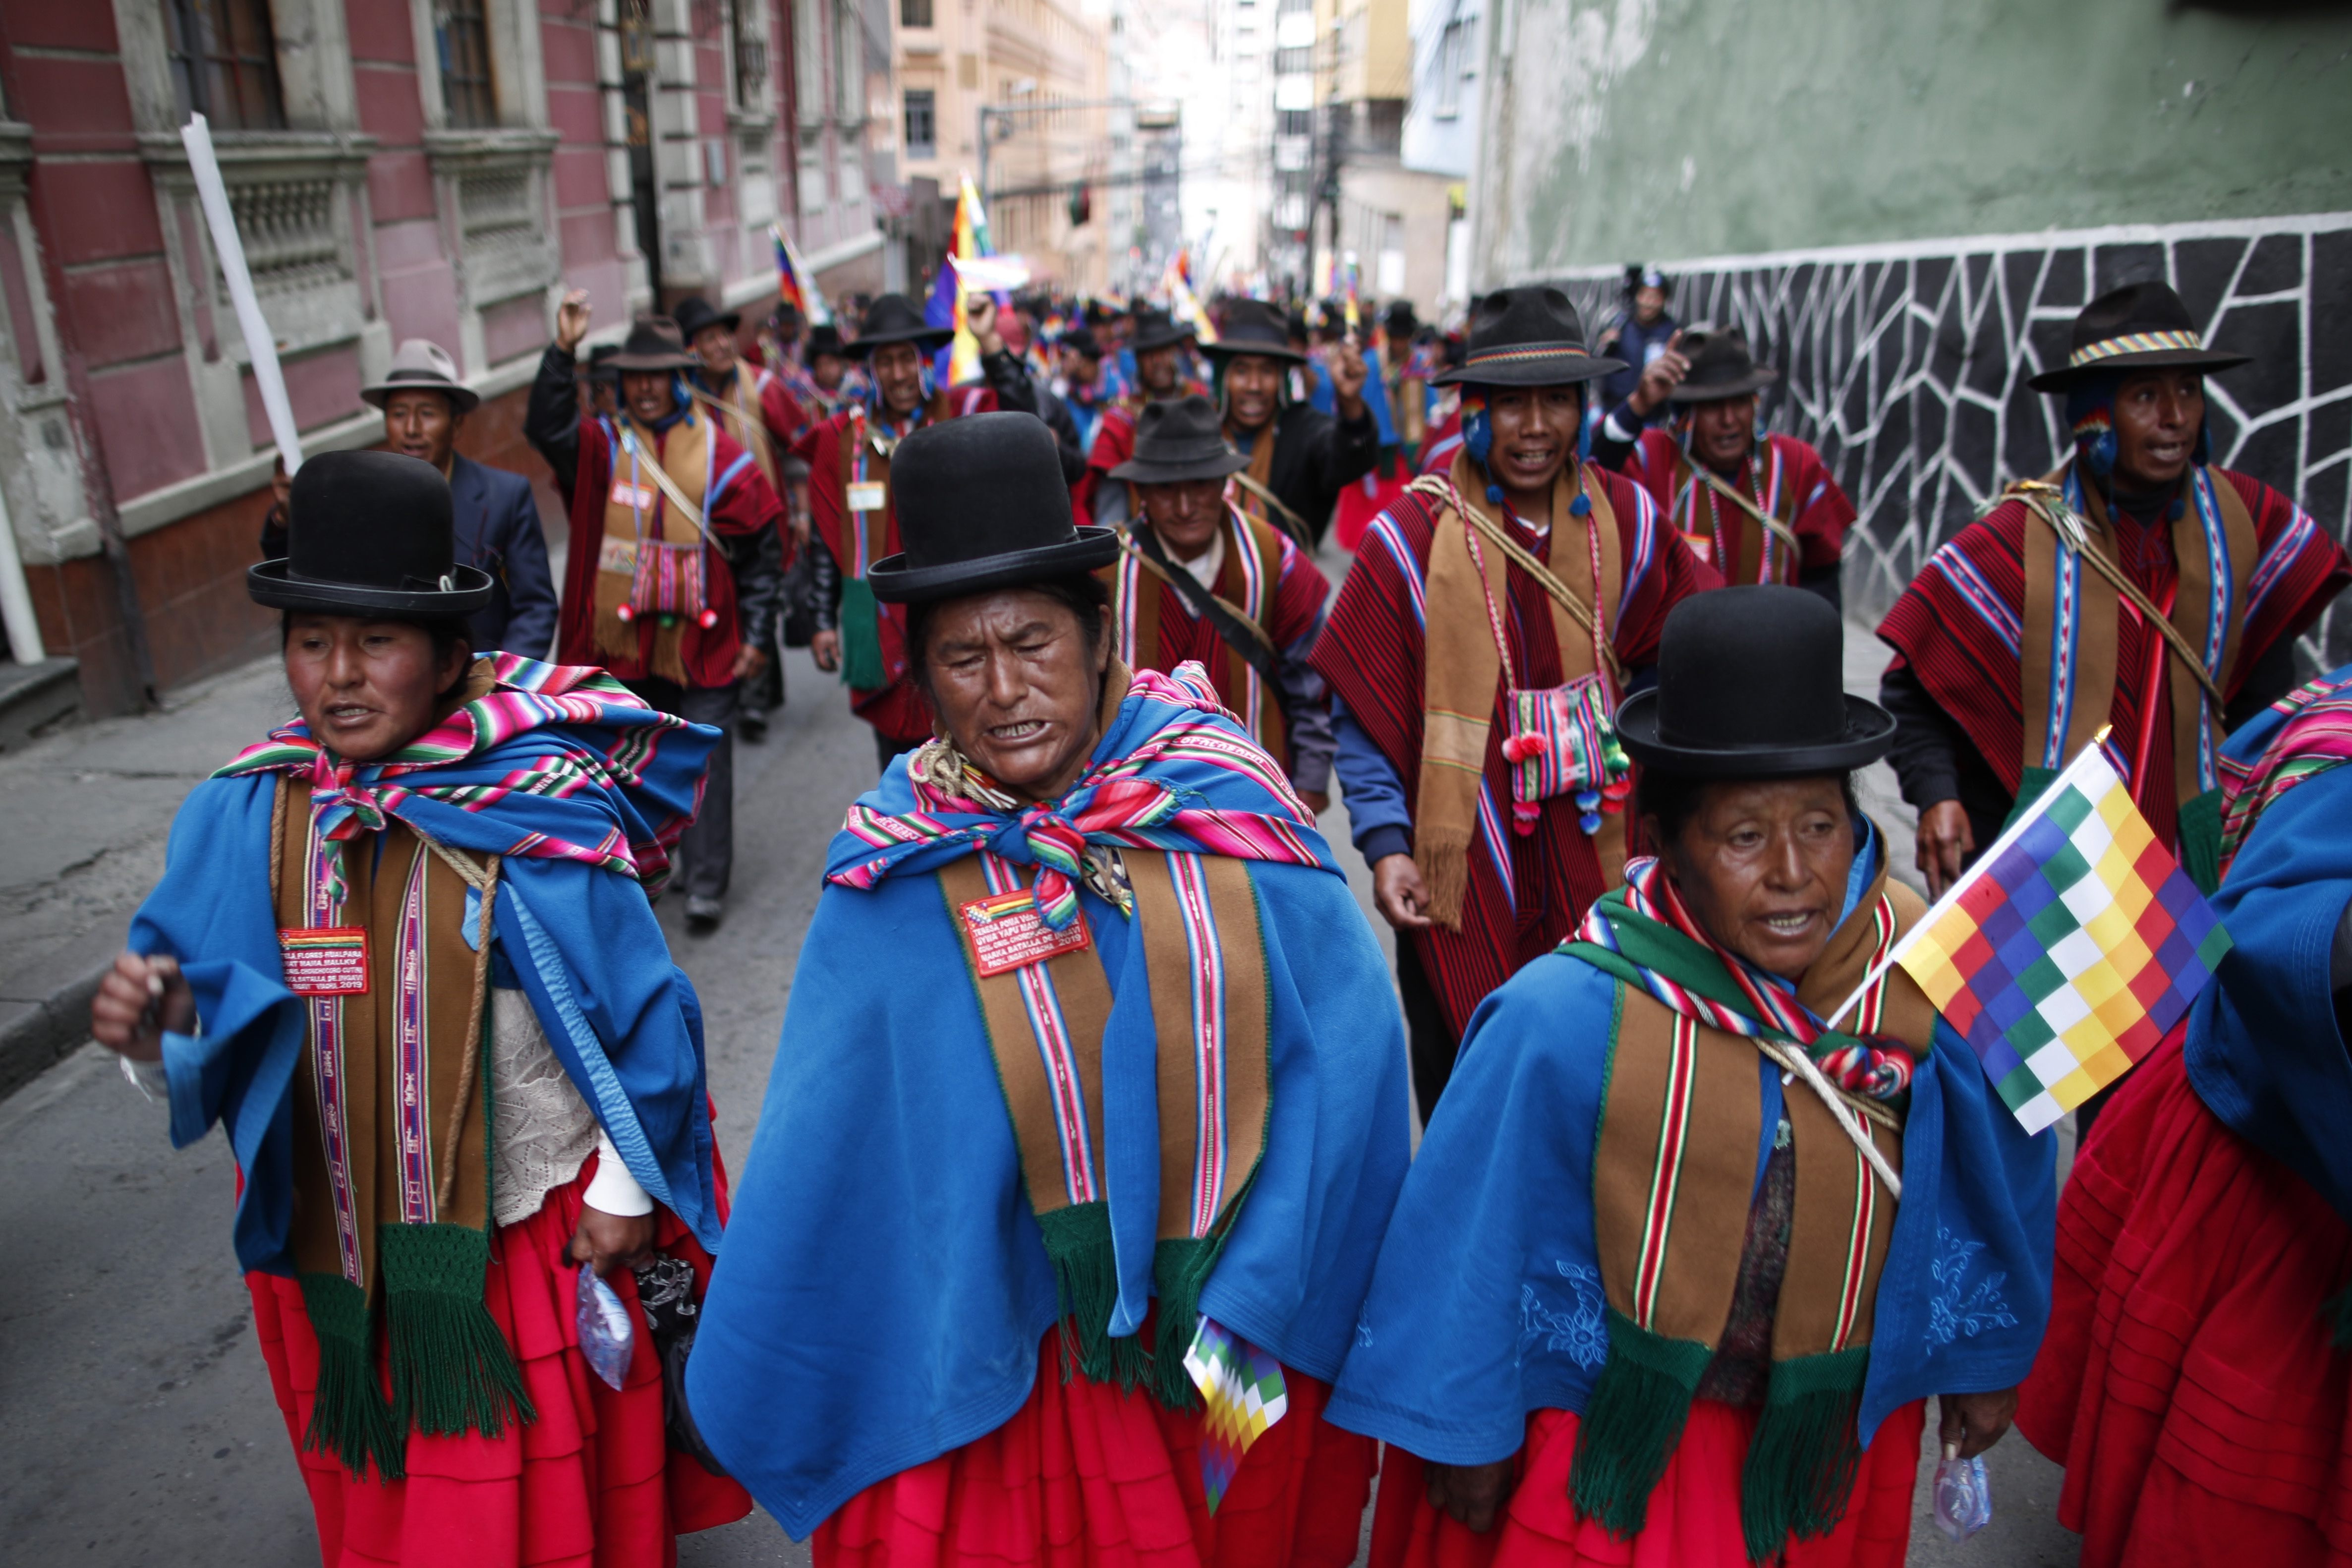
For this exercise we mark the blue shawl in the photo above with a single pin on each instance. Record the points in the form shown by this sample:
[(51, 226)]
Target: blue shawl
[(2266, 1051), (578, 935), (1487, 1304), (887, 1284)]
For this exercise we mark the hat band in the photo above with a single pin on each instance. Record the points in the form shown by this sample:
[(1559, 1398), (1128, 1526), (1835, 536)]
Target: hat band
[(2133, 343), (1528, 351)]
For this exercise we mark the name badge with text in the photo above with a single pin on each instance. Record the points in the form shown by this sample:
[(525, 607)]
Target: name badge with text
[(636, 497), (867, 495), (1007, 931), (324, 961), (617, 555)]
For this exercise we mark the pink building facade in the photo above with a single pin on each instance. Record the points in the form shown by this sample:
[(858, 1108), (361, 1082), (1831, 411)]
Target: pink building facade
[(443, 169)]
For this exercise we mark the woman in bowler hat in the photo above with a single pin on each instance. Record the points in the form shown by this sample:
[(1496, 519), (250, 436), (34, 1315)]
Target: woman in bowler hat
[(435, 1016)]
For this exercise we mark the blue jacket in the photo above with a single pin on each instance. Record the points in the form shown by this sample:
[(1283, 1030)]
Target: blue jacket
[(497, 531)]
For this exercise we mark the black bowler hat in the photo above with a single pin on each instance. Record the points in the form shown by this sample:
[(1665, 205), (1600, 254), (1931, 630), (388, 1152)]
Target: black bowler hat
[(1751, 684), (2140, 326), (654, 344), (1253, 327), (825, 340), (894, 319), (1720, 368), (982, 504), (1155, 329), (370, 533), (1526, 337), (694, 313), (1180, 438)]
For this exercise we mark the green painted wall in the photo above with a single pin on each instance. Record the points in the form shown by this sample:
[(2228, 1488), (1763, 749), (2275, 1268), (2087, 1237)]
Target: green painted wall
[(1623, 128)]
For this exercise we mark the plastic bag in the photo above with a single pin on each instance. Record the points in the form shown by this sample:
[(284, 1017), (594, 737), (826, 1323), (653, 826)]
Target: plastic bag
[(606, 1334), (1963, 1497)]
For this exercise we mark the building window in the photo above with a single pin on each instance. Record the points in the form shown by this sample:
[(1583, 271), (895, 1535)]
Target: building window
[(922, 124), (914, 12), (224, 63), (462, 35), (751, 92), (1455, 65)]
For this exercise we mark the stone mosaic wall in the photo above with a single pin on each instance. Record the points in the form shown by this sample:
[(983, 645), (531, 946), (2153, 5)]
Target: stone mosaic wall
[(1907, 366)]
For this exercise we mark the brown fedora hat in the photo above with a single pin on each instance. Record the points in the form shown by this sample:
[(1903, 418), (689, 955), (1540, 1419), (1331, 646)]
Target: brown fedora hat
[(654, 344), (2140, 326), (1720, 368)]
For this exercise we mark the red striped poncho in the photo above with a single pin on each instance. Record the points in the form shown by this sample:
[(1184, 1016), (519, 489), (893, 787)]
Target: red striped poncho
[(1526, 892), (1818, 511), (1960, 627)]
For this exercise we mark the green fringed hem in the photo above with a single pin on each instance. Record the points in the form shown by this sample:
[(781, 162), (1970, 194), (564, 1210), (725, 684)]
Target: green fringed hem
[(1803, 1458), (349, 1417), (1632, 1422), (452, 1369), (861, 635), (1086, 1276), (1180, 1270)]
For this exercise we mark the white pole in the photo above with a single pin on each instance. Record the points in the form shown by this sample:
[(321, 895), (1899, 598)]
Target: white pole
[(15, 604), (197, 137)]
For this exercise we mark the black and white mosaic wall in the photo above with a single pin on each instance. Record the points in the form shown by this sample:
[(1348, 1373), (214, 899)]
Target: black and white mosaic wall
[(1907, 366)]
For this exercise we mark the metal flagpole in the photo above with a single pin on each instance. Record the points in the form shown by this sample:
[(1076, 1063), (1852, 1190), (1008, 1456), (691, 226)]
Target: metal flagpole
[(197, 137)]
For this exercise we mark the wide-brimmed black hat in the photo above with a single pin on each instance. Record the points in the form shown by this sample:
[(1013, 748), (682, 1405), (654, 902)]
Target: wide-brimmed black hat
[(418, 366), (982, 504), (2140, 326), (600, 362), (1155, 329), (370, 533), (1721, 367), (1253, 327), (824, 340), (654, 344), (1751, 684), (895, 319), (694, 313), (1526, 337), (1180, 438)]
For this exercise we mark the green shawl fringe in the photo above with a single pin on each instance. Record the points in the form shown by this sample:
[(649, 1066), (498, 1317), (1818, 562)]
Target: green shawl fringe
[(349, 1417), (861, 636), (1086, 1277), (1632, 1422), (1803, 1460), (452, 1369)]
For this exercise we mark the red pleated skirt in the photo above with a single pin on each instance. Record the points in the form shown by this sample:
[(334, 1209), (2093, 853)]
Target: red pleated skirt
[(1084, 1476), (590, 1481), (2188, 1381), (1694, 1519)]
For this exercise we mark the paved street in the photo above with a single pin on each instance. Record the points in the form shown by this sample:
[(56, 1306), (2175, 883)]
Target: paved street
[(140, 1418)]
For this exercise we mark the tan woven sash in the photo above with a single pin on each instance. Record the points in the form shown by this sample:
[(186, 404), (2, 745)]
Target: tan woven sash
[(1462, 672), (685, 463), (2103, 589), (1747, 521), (1239, 676)]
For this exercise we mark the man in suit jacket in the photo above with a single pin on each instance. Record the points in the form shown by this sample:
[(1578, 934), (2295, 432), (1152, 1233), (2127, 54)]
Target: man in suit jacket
[(424, 405)]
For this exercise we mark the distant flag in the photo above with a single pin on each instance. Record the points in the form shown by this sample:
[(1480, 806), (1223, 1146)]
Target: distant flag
[(1349, 308), (2070, 947), (1245, 1394), (795, 283), (1184, 305), (971, 240)]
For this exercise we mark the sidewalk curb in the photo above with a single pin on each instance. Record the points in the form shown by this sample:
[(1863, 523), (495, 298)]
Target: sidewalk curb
[(43, 1019)]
